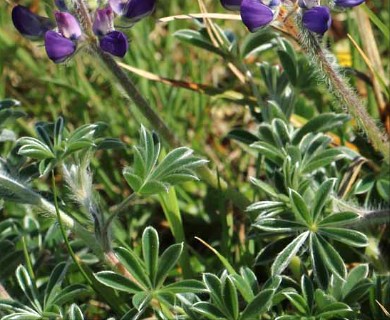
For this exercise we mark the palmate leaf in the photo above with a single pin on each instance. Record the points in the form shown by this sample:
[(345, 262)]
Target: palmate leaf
[(146, 177)]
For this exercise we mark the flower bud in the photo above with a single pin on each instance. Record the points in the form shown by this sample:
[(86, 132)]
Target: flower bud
[(115, 43), (29, 24), (317, 19), (104, 21), (58, 48), (68, 25), (255, 14)]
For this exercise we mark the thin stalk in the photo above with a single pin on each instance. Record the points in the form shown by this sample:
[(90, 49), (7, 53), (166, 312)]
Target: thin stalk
[(27, 259), (65, 237), (342, 91)]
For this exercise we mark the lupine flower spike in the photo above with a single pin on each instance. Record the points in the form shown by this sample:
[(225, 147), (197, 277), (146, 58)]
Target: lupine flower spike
[(64, 35)]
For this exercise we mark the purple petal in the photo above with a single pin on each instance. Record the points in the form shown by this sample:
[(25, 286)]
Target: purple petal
[(255, 14), (29, 24), (317, 19), (348, 3), (104, 21), (58, 48), (133, 10), (115, 42), (231, 4), (68, 25)]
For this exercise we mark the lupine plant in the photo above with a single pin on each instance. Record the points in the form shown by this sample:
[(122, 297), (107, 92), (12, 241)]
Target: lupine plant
[(251, 182)]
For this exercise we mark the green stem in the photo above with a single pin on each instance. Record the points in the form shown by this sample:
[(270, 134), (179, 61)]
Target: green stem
[(64, 236), (27, 258), (342, 91)]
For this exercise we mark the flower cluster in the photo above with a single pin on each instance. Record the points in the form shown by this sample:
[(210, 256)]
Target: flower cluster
[(64, 35), (256, 14)]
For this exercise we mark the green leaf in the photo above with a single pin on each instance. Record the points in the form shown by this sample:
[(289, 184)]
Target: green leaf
[(339, 219), (320, 271), (321, 197), (284, 257), (330, 256), (214, 285), (322, 159), (75, 313), (264, 186), (141, 300), (260, 304), (28, 287), (289, 65), (335, 310), (307, 291), (197, 39), (257, 42), (355, 276), (150, 248), (134, 265), (54, 284), (146, 177), (167, 261), (208, 310), (184, 286), (299, 207), (322, 123), (278, 225), (118, 282), (70, 294), (242, 136), (375, 20), (348, 236), (245, 282), (230, 297), (269, 151), (298, 302)]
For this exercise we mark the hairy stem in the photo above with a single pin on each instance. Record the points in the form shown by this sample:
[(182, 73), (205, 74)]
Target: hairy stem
[(342, 91)]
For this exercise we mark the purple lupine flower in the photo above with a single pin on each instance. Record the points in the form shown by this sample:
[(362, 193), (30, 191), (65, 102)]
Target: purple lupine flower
[(256, 14), (133, 10), (68, 25), (317, 19), (231, 4), (115, 42), (58, 48), (30, 25), (62, 45), (348, 3), (103, 22), (111, 41)]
